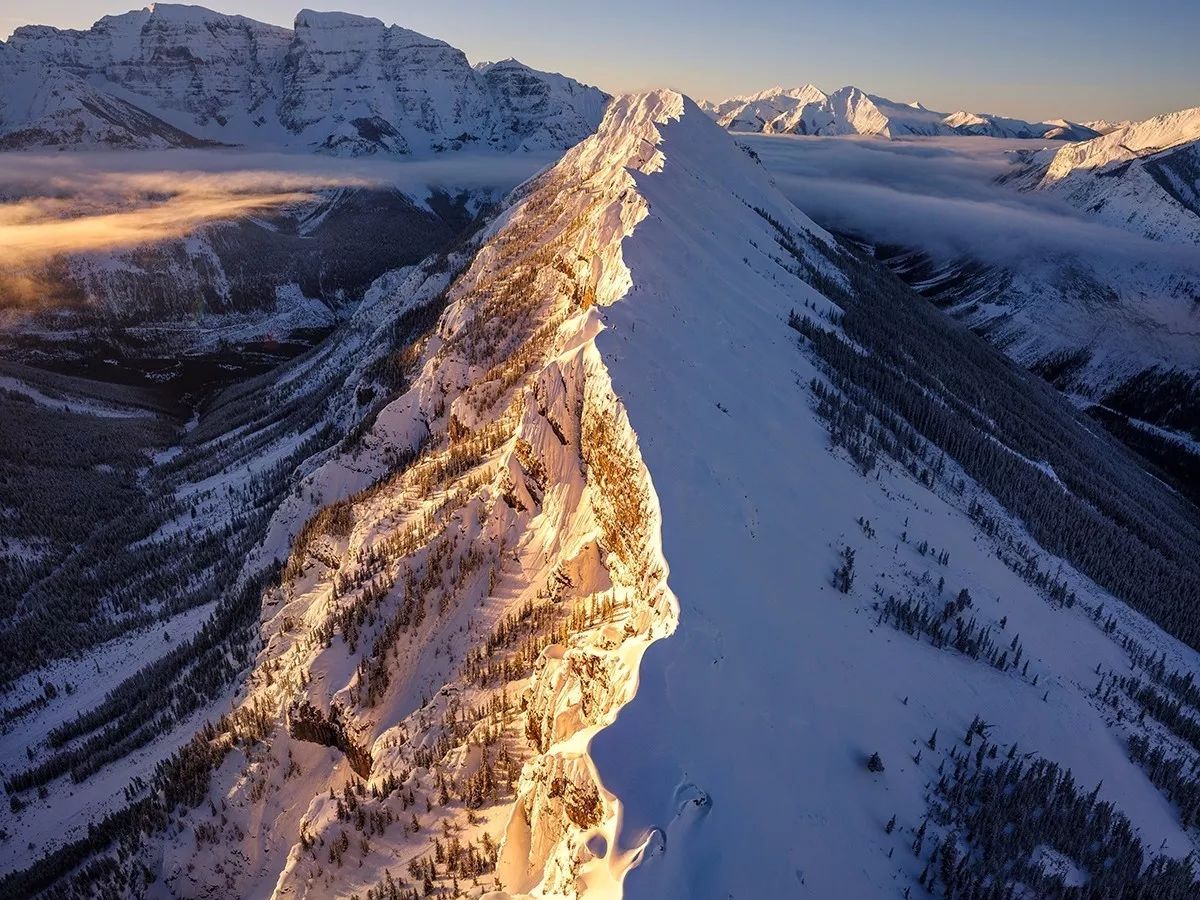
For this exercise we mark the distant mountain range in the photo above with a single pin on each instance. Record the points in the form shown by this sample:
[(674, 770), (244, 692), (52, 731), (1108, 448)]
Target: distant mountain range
[(184, 76), (809, 110)]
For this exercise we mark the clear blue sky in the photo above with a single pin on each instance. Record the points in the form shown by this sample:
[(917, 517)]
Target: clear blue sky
[(1029, 58)]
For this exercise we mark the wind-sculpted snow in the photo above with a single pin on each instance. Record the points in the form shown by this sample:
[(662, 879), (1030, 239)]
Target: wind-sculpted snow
[(741, 764)]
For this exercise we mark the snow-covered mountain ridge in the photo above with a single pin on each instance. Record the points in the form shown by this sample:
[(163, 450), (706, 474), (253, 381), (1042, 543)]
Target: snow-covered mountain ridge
[(171, 75), (849, 110), (605, 577), (1144, 176)]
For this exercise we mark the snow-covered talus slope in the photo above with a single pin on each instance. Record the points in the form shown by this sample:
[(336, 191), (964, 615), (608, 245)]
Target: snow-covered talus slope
[(335, 83), (809, 110)]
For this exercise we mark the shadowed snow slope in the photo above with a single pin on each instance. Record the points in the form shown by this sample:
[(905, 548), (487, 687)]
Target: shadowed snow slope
[(741, 762)]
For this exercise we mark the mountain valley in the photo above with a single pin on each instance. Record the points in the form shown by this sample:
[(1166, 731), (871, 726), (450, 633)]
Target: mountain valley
[(424, 479)]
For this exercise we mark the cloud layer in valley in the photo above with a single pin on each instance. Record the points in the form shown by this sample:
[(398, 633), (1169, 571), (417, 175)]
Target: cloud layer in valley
[(54, 205), (941, 196)]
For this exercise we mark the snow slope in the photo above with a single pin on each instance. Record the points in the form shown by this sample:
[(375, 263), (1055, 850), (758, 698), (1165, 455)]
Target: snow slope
[(808, 110), (740, 761), (1126, 143), (172, 75)]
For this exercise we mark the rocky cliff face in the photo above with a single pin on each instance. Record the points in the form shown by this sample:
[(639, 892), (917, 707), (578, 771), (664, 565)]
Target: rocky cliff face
[(204, 69), (44, 105), (352, 85), (174, 75), (538, 109)]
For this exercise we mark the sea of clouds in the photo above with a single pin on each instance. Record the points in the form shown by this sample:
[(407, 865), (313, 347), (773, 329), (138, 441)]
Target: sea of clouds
[(943, 196)]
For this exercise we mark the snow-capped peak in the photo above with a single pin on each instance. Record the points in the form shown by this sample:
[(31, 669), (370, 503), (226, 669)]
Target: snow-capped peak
[(1141, 176), (851, 110), (1127, 142)]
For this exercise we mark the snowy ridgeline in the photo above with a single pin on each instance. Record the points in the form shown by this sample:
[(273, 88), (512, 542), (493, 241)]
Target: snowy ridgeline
[(1143, 177), (688, 554), (809, 110), (184, 76)]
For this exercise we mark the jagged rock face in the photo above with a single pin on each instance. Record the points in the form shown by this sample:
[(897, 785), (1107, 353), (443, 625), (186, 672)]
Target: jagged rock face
[(207, 66), (453, 633), (336, 83), (42, 105), (538, 109)]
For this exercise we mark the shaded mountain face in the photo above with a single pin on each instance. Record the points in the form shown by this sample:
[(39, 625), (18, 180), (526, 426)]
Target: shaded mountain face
[(651, 511), (808, 110), (276, 280), (178, 76)]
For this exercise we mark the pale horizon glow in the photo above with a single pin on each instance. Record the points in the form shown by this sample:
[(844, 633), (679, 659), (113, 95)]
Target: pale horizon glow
[(1033, 60)]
